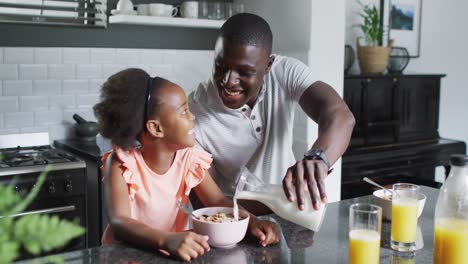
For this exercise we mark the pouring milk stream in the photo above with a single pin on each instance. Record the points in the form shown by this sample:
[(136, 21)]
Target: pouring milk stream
[(250, 187)]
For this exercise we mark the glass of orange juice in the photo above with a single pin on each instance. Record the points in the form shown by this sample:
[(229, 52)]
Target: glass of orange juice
[(404, 217), (365, 222)]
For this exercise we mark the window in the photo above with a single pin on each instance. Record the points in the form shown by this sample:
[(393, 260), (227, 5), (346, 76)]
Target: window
[(87, 13)]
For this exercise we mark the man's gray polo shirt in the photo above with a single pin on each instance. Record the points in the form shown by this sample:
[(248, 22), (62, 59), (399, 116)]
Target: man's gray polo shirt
[(259, 137)]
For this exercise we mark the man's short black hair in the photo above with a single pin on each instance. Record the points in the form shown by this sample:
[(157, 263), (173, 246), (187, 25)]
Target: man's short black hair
[(248, 29)]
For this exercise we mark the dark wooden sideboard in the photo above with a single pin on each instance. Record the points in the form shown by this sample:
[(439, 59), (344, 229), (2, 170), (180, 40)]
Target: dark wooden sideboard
[(396, 136)]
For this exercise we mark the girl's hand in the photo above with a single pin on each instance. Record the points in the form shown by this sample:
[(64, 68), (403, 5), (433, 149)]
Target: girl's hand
[(266, 231), (186, 245)]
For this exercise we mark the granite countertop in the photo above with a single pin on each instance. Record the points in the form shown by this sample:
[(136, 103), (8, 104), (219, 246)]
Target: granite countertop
[(297, 245)]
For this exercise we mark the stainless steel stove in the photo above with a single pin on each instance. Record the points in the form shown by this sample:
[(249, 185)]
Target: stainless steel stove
[(64, 191), (21, 160)]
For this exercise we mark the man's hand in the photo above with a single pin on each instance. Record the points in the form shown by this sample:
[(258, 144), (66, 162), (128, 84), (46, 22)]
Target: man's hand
[(310, 173), (186, 245)]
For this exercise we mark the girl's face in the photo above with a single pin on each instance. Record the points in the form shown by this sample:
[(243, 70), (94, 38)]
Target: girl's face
[(176, 120)]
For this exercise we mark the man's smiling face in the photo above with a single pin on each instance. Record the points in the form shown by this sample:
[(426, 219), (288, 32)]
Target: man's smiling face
[(238, 72)]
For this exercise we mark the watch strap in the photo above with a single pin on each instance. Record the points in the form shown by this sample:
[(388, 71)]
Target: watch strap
[(317, 154)]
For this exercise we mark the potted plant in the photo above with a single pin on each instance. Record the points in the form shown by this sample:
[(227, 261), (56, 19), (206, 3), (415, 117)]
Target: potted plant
[(373, 57)]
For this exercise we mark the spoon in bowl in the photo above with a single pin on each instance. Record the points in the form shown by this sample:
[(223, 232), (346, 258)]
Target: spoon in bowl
[(184, 208), (377, 185)]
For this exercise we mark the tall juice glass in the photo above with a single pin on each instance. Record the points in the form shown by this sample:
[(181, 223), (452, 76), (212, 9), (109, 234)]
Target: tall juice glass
[(365, 222), (404, 217)]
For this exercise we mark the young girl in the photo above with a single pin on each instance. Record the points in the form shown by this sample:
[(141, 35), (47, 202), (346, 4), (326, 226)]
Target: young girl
[(146, 182)]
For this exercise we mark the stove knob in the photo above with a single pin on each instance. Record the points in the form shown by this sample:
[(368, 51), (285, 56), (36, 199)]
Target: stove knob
[(68, 186), (52, 188)]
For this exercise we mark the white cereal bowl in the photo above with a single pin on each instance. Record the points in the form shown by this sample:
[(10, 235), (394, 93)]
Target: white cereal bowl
[(221, 235), (386, 203)]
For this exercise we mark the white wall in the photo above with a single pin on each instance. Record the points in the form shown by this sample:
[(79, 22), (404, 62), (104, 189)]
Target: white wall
[(326, 59), (444, 49), (444, 42), (41, 88)]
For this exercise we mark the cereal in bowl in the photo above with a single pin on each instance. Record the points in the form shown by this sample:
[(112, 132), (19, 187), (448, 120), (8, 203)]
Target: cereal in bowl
[(218, 218)]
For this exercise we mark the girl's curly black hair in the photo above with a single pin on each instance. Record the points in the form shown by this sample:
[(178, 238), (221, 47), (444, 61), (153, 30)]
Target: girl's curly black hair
[(121, 111)]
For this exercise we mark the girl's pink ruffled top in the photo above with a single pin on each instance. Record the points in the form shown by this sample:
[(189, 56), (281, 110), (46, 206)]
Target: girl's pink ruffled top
[(153, 197)]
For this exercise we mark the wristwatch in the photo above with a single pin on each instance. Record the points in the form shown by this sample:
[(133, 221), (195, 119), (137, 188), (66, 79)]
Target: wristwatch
[(317, 154)]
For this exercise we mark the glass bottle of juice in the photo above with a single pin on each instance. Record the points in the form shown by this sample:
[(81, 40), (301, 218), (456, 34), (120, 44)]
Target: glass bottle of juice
[(451, 215)]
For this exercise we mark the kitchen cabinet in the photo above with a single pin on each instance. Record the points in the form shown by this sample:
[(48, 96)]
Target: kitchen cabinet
[(396, 136), (393, 108)]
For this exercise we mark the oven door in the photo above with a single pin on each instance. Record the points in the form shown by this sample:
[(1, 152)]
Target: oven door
[(70, 208)]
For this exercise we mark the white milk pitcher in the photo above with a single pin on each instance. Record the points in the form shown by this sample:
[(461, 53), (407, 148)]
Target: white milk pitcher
[(250, 187)]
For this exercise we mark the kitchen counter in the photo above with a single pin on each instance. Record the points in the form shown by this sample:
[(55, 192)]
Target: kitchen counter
[(297, 245)]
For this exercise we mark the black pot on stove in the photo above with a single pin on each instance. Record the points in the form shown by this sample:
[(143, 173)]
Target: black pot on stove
[(85, 130)]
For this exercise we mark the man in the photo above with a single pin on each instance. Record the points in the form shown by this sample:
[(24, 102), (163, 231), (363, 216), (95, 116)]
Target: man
[(245, 113)]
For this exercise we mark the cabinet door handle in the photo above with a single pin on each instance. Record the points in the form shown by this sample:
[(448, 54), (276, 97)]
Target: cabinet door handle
[(383, 123)]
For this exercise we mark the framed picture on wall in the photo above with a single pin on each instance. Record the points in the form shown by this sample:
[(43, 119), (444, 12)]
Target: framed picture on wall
[(402, 19)]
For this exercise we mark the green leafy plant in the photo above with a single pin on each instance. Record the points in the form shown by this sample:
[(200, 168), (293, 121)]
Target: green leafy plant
[(371, 26), (32, 233)]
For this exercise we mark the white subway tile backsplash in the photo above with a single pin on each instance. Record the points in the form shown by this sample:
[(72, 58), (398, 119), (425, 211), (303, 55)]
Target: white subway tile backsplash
[(88, 71), (95, 85), (151, 56), (19, 119), (61, 131), (194, 58), (145, 67), (161, 70), (61, 102), (86, 100), (39, 129), (92, 117), (18, 56), (103, 56), (75, 86), (61, 71), (47, 87), (48, 55), (44, 118), (32, 71), (9, 104), (127, 56), (110, 69), (8, 71), (9, 131), (41, 88), (33, 103), (11, 88), (76, 55), (190, 79)]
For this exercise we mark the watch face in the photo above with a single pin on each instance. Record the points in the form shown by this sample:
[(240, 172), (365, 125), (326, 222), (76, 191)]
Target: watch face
[(317, 154), (314, 153)]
